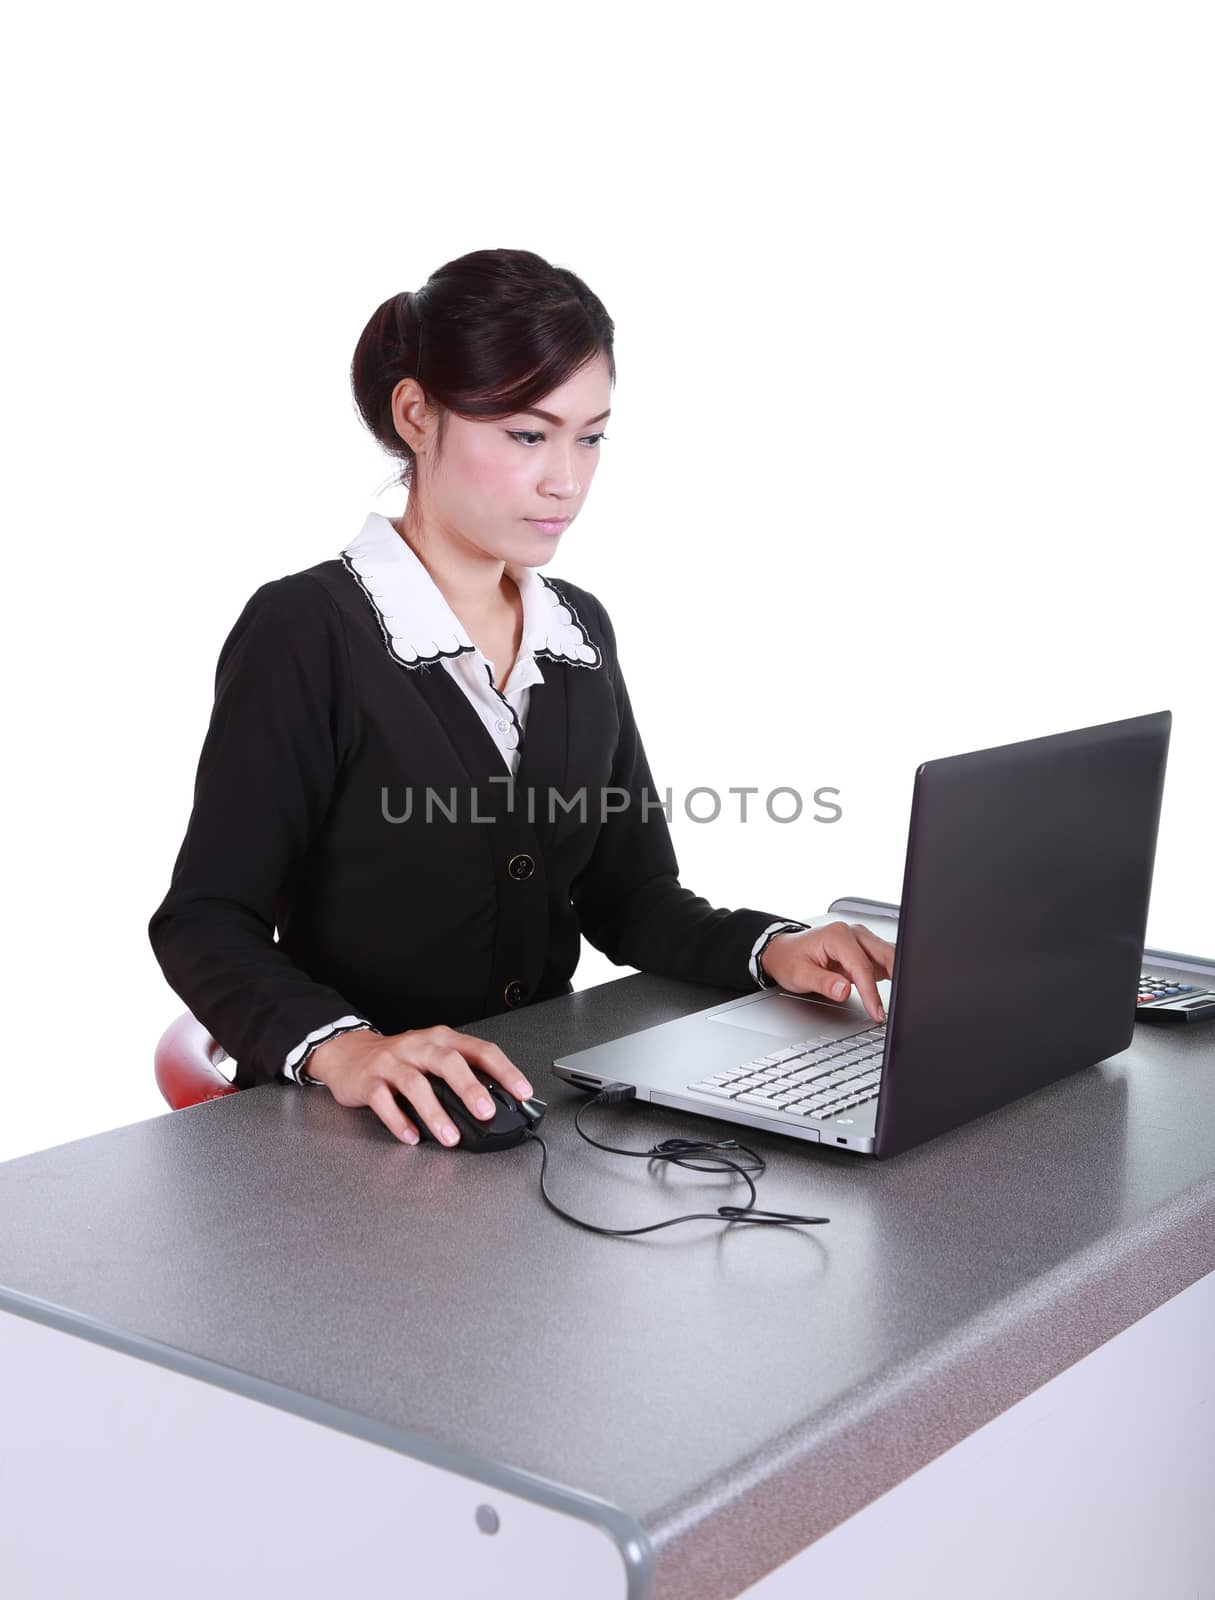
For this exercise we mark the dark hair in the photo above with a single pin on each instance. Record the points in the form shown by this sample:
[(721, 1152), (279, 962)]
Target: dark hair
[(487, 335)]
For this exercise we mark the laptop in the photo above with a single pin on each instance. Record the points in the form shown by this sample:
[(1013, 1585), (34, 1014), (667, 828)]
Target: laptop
[(1018, 948)]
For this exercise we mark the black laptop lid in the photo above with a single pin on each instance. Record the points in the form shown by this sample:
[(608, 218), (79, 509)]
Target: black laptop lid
[(1022, 921)]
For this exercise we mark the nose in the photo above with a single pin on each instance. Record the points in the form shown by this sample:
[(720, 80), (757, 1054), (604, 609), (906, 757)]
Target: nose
[(561, 481), (561, 491)]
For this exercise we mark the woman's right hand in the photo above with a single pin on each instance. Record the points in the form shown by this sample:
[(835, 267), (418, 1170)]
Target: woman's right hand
[(361, 1068)]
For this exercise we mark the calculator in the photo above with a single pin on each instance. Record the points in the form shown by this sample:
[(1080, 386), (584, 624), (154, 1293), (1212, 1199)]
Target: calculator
[(1172, 1000)]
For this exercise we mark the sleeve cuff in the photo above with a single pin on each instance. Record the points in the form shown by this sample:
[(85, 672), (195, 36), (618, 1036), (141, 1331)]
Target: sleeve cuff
[(293, 1066), (758, 975)]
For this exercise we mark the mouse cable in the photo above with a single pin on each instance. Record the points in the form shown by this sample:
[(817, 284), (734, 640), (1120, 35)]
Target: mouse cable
[(674, 1150)]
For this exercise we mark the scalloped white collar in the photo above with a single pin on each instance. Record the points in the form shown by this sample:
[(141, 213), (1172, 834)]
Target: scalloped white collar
[(418, 624)]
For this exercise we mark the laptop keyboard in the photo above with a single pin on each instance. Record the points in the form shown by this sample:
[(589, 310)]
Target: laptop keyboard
[(806, 1080)]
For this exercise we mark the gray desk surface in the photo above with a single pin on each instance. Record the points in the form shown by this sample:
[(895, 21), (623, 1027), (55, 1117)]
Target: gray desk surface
[(717, 1396)]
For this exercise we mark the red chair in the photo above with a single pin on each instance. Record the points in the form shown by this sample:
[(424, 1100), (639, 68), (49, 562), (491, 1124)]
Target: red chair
[(187, 1064)]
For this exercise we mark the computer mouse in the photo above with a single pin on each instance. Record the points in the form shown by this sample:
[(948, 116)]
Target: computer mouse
[(509, 1125)]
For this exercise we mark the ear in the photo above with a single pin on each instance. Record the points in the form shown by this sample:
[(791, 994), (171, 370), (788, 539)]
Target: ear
[(412, 414)]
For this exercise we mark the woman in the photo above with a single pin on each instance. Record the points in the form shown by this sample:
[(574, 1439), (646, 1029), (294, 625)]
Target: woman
[(429, 816)]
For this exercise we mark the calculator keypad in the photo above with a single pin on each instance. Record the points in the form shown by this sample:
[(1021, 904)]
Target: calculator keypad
[(1153, 988)]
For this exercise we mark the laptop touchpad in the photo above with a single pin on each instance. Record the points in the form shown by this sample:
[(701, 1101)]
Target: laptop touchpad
[(787, 1016)]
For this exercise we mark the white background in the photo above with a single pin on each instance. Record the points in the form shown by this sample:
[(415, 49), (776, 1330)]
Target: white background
[(910, 450)]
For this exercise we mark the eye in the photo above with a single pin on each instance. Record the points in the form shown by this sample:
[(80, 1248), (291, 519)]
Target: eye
[(523, 434)]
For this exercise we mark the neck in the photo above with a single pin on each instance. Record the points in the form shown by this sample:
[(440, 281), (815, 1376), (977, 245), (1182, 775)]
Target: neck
[(472, 583)]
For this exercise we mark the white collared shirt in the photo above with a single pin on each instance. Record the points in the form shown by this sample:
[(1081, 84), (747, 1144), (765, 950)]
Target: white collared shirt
[(419, 625)]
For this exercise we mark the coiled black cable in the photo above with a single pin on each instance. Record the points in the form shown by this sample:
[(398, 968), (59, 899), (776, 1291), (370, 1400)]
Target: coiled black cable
[(675, 1151)]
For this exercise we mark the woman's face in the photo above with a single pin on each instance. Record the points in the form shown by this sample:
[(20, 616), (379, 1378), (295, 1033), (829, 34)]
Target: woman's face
[(495, 481)]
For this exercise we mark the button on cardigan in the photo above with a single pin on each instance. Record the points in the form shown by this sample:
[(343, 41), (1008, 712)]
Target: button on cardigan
[(430, 849)]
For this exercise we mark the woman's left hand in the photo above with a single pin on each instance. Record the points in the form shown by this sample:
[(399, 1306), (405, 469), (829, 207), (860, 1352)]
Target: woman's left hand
[(830, 960)]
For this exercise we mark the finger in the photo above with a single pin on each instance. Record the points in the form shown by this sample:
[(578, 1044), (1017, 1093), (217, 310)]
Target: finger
[(383, 1102), (826, 981), (493, 1060), (449, 1063), (880, 951), (415, 1086), (843, 949)]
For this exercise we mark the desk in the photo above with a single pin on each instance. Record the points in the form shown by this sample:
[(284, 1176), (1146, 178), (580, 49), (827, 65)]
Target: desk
[(258, 1342)]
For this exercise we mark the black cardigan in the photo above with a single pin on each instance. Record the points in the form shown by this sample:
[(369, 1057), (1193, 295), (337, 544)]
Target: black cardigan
[(318, 736)]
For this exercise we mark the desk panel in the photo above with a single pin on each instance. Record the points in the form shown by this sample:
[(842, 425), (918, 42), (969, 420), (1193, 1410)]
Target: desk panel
[(730, 1394)]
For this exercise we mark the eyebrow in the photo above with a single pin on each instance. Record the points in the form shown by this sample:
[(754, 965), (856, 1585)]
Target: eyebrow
[(535, 411)]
